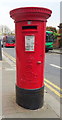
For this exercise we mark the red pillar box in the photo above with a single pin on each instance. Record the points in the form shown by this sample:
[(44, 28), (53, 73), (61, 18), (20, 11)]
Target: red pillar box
[(30, 30)]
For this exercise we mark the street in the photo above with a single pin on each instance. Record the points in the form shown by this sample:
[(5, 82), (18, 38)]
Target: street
[(31, 59), (52, 91), (52, 72)]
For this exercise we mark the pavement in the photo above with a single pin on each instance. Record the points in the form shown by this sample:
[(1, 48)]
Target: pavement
[(57, 51), (8, 106), (0, 89)]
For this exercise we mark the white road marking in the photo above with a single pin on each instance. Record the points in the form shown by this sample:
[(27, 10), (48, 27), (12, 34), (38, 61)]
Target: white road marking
[(56, 66)]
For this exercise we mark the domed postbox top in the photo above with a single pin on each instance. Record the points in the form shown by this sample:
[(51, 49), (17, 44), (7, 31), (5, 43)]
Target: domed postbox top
[(30, 13)]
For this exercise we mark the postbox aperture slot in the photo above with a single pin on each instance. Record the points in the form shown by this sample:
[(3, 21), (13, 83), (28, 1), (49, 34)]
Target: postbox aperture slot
[(28, 27), (29, 42)]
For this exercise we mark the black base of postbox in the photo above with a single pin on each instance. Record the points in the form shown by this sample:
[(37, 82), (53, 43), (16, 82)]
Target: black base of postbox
[(30, 99)]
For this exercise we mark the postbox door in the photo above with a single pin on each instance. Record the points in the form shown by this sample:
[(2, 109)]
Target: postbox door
[(30, 63)]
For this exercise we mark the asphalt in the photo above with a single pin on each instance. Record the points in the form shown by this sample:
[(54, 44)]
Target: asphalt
[(8, 106)]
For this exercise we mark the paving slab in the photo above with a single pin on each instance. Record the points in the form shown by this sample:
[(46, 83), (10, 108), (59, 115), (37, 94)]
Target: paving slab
[(58, 51), (9, 107), (0, 89)]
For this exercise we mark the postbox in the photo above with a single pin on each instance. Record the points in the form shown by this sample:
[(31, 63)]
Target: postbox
[(30, 31)]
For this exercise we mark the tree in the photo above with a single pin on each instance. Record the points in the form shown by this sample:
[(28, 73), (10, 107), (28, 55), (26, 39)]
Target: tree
[(50, 28)]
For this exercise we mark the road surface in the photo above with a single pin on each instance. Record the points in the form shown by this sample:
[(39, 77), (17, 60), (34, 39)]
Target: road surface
[(52, 72)]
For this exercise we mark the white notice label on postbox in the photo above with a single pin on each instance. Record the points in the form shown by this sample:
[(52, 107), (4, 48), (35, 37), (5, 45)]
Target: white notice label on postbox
[(29, 42)]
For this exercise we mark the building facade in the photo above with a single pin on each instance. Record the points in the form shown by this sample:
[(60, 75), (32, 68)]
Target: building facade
[(4, 29)]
